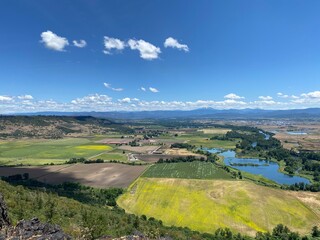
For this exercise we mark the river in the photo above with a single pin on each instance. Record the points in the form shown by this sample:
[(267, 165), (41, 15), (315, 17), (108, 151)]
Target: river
[(267, 169)]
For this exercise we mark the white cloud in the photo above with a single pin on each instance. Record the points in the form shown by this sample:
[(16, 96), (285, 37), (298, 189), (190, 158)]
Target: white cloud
[(265, 98), (264, 103), (282, 95), (98, 102), (146, 49), (143, 89), (25, 97), (5, 98), (92, 100), (233, 96), (125, 100), (53, 41), (154, 90), (80, 43), (113, 43), (173, 43), (108, 85), (232, 102), (315, 94)]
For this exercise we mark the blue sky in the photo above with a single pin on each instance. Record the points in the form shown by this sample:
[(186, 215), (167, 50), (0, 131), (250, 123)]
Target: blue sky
[(185, 54)]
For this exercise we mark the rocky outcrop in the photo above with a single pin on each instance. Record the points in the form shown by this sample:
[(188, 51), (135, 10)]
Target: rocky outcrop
[(4, 218), (27, 229), (34, 229)]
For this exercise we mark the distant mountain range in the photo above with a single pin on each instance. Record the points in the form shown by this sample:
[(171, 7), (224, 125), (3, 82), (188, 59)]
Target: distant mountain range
[(197, 113)]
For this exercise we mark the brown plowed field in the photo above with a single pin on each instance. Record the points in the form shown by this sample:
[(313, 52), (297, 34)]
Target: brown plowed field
[(101, 175)]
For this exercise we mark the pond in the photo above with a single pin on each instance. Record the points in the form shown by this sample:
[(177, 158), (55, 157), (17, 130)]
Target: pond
[(296, 133), (267, 169)]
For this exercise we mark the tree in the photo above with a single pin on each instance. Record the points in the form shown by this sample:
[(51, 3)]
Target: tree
[(315, 232)]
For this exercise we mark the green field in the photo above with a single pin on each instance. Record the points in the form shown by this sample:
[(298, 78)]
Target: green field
[(199, 139), (189, 170), (37, 152), (206, 205), (112, 155)]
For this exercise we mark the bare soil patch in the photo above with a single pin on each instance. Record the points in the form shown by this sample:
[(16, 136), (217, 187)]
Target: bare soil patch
[(116, 140), (180, 152), (101, 175), (215, 130), (142, 149)]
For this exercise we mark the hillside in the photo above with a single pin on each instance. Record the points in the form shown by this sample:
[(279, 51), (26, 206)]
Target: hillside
[(87, 221), (206, 205), (54, 126)]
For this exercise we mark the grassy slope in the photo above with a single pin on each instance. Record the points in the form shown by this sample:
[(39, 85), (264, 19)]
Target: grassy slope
[(206, 205), (83, 221), (189, 170), (47, 151)]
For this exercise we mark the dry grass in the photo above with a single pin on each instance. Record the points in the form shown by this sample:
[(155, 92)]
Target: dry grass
[(142, 149), (180, 152), (310, 141), (214, 130), (206, 205)]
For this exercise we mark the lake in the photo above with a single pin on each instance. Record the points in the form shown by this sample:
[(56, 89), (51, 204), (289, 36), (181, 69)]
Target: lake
[(267, 169)]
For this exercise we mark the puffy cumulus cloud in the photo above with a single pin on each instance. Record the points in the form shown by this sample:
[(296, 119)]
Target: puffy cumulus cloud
[(97, 102), (265, 98), (147, 50), (233, 96), (264, 103), (315, 94), (173, 43), (108, 85), (91, 100), (282, 95), (154, 90), (232, 102), (5, 98), (143, 89), (125, 100), (311, 99), (25, 97), (101, 102), (53, 41), (80, 43), (112, 44)]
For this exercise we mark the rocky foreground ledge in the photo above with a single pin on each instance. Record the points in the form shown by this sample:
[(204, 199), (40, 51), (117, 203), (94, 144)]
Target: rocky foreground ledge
[(27, 229)]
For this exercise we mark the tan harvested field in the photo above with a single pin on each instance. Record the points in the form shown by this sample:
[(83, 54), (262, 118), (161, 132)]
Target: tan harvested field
[(214, 130), (142, 149), (309, 141), (310, 199), (101, 175), (180, 152)]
